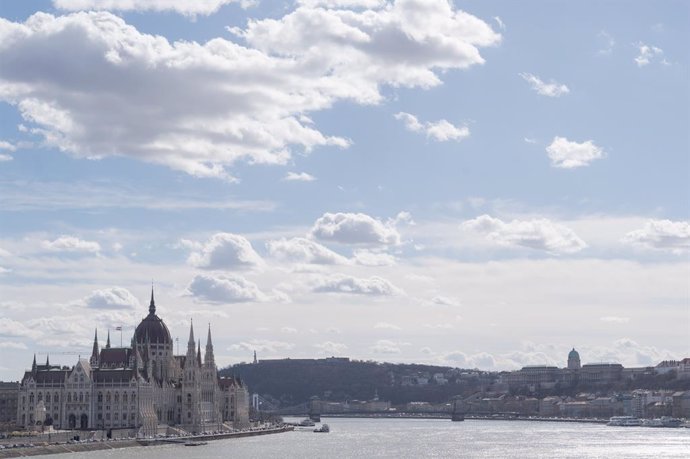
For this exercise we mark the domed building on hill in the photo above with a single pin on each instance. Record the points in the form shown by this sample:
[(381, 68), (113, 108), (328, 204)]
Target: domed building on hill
[(573, 360), (144, 388)]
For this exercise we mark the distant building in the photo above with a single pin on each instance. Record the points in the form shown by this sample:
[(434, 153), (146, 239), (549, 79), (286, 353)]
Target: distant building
[(9, 396), (141, 387), (573, 360), (600, 373)]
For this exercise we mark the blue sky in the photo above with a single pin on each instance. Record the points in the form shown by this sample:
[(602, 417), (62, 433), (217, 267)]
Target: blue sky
[(467, 183)]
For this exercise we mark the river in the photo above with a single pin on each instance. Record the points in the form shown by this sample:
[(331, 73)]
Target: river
[(422, 438)]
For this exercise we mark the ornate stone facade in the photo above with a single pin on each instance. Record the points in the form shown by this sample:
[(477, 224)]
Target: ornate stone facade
[(143, 387)]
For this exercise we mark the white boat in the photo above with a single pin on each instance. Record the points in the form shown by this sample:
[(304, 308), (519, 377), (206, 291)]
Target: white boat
[(323, 429), (668, 421), (624, 421), (306, 423)]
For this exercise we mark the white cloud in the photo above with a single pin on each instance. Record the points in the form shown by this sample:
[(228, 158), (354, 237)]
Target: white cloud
[(662, 235), (440, 300), (565, 154), (385, 346), (289, 330), (4, 158), (201, 107), (111, 298), (71, 244), (13, 329), (223, 251), (12, 345), (228, 289), (499, 21), (550, 89), (331, 348), (299, 177), (647, 54), (615, 319), (355, 228), (539, 234), (263, 345), (370, 258), (608, 43), (7, 146), (185, 7), (341, 283), (303, 250), (441, 131), (387, 326)]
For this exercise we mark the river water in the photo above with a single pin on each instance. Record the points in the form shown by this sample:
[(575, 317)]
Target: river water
[(422, 438)]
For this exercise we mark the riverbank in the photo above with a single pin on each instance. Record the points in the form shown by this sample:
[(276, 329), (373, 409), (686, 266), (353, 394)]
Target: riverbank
[(467, 417), (41, 450)]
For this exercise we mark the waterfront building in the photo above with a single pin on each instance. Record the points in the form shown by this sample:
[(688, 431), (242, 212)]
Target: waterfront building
[(573, 360), (9, 394), (143, 387)]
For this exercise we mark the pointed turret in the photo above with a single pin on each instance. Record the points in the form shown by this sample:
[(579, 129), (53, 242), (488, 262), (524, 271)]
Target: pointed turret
[(94, 352), (152, 305), (48, 361), (33, 365), (209, 359), (107, 343), (198, 354), (191, 348), (255, 361)]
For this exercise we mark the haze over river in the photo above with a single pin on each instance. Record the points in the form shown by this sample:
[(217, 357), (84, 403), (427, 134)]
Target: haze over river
[(357, 438)]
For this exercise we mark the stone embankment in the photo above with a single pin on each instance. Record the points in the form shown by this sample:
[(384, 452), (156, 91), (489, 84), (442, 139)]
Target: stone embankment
[(43, 449)]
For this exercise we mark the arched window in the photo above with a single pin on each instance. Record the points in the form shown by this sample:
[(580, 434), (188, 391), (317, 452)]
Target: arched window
[(40, 396), (31, 397), (47, 397), (134, 397), (189, 398), (100, 397), (69, 397), (107, 397), (81, 397), (56, 399), (124, 397)]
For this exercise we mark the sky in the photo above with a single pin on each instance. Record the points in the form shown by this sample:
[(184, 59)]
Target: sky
[(480, 184)]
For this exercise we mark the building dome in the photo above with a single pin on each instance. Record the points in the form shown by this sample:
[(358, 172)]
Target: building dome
[(152, 328), (573, 355)]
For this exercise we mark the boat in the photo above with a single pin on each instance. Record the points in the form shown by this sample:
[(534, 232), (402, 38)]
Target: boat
[(195, 443), (323, 429), (652, 423), (668, 421), (306, 423), (624, 421)]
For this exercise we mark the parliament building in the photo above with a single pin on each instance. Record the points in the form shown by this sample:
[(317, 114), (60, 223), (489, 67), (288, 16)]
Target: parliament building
[(144, 388)]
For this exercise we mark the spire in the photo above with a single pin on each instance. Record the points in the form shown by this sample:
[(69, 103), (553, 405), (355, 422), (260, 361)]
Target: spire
[(94, 352), (48, 361), (191, 348), (33, 365), (255, 361), (107, 343), (198, 354), (191, 334), (152, 305), (208, 357)]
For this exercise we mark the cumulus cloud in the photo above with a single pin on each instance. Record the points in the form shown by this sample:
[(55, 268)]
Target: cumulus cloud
[(71, 244), (201, 107), (12, 345), (371, 258), (481, 360), (661, 235), (331, 348), (550, 89), (111, 298), (229, 289), (6, 146), (387, 326), (341, 283), (441, 131), (647, 54), (386, 346), (299, 177), (262, 345), (302, 250), (355, 228), (440, 300), (185, 7), (539, 234), (565, 154), (223, 251), (10, 328)]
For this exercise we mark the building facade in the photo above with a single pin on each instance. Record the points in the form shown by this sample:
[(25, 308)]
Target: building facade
[(9, 394), (144, 387)]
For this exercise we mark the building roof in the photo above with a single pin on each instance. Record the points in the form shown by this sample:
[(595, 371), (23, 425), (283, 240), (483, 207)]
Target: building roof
[(114, 357), (573, 355)]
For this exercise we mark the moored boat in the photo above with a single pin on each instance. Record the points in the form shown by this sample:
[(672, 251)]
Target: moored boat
[(624, 421), (323, 429)]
